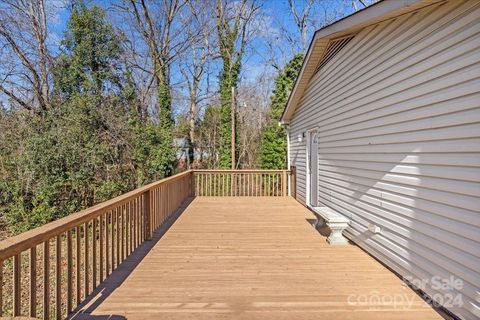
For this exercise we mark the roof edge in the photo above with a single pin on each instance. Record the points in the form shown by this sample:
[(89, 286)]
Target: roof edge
[(376, 13)]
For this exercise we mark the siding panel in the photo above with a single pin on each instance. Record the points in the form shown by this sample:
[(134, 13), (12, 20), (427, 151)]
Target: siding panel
[(398, 116)]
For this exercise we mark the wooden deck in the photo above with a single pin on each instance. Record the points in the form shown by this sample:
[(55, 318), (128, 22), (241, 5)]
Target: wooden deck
[(250, 258)]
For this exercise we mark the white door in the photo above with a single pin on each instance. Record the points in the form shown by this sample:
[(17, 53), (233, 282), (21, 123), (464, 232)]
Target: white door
[(313, 168)]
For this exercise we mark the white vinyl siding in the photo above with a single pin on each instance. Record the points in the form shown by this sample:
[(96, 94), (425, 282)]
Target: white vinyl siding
[(398, 116)]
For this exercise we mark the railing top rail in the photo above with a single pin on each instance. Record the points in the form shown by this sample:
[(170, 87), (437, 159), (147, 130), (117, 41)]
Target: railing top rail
[(240, 171), (24, 241)]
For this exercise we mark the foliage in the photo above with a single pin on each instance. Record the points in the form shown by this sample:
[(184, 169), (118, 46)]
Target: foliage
[(273, 153), (165, 152), (70, 164), (92, 145), (89, 62), (228, 80)]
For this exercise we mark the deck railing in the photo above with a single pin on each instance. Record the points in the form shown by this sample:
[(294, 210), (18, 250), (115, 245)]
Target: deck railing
[(54, 267), (48, 271), (241, 183)]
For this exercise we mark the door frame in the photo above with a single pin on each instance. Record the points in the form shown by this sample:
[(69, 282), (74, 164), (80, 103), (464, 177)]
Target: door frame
[(307, 180)]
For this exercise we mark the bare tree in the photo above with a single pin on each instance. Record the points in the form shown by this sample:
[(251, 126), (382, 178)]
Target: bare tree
[(301, 19), (252, 106), (196, 61), (24, 57), (158, 25), (233, 33)]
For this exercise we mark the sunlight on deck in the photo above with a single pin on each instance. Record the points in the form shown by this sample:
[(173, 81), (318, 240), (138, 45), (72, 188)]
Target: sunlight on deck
[(250, 258)]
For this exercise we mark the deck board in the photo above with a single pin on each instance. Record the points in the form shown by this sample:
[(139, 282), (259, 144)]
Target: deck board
[(250, 258)]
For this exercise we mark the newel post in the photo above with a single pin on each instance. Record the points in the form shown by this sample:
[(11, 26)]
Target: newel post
[(293, 182), (284, 183), (147, 205), (192, 185)]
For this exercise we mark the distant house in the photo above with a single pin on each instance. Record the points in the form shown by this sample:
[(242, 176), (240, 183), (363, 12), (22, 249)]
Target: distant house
[(384, 129)]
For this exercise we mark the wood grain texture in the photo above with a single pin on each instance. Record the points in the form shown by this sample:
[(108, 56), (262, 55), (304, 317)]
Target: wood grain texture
[(250, 258)]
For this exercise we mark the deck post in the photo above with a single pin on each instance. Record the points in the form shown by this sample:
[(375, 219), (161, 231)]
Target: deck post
[(147, 214), (292, 187), (192, 185), (284, 183)]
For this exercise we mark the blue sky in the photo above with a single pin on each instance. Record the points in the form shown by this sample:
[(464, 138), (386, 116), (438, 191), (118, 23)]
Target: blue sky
[(276, 13), (273, 24)]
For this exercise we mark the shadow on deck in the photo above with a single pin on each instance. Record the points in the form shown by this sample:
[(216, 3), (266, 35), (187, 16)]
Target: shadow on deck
[(249, 258)]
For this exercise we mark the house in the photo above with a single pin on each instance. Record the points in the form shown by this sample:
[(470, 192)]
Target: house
[(384, 127)]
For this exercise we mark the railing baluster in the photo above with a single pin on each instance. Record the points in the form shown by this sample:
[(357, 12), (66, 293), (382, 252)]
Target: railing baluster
[(155, 213), (195, 184), (142, 221), (78, 294), (69, 272), (117, 235), (244, 176), (126, 226), (122, 233), (94, 253), (58, 277), (251, 190), (46, 279), (210, 184), (259, 184), (245, 184), (277, 184), (107, 244), (269, 187), (139, 217), (33, 282), (101, 246), (275, 181), (135, 224), (16, 285), (215, 184), (147, 214), (86, 282), (162, 205), (130, 228), (112, 234), (127, 230), (152, 209)]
